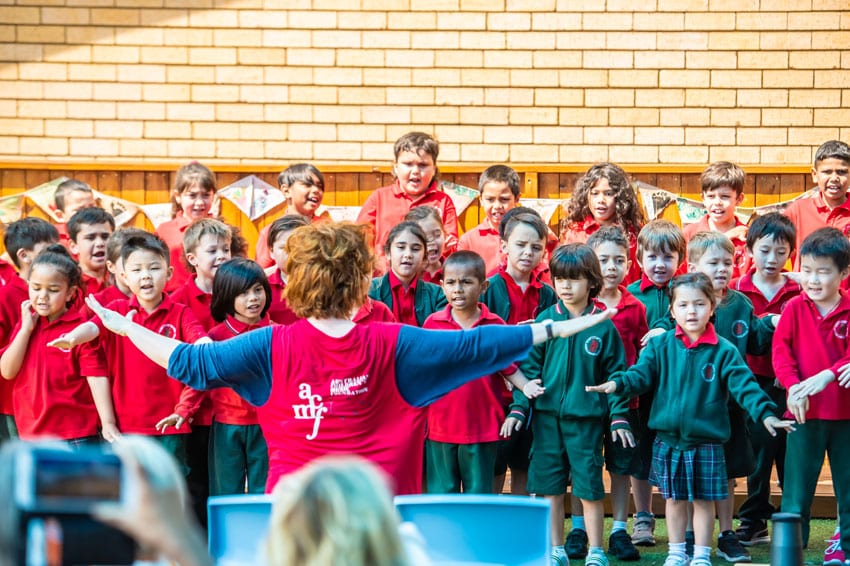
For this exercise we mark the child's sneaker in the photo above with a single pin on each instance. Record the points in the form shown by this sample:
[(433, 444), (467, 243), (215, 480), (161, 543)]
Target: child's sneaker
[(751, 533), (596, 558), (559, 557), (576, 544), (730, 548), (833, 555), (700, 562), (676, 560), (620, 545), (643, 532)]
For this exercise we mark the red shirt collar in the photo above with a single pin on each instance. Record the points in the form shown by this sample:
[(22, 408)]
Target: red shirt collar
[(485, 229), (646, 283), (708, 337), (822, 207), (165, 303), (399, 192), (745, 284), (396, 283), (237, 327), (445, 316), (276, 279), (533, 282), (593, 306)]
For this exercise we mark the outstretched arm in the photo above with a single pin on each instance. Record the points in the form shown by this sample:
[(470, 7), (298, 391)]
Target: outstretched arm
[(84, 333)]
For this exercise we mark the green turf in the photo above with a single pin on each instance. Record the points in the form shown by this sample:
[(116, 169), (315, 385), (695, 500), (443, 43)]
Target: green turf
[(821, 530)]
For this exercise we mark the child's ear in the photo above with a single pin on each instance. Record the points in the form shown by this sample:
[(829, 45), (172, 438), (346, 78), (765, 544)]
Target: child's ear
[(24, 256), (484, 286), (739, 200), (169, 272), (504, 246), (285, 190), (814, 176), (692, 267), (629, 265), (72, 245), (190, 257)]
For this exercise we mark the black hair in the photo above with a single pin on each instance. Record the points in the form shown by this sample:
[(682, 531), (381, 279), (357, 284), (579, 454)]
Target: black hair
[(303, 172), (87, 217), (613, 234), (232, 278), (522, 215), (424, 212), (401, 227), (695, 280), (500, 174), (56, 256), (283, 224), (468, 259), (828, 242), (66, 187), (833, 149), (774, 224), (146, 242), (118, 238), (577, 261), (26, 233)]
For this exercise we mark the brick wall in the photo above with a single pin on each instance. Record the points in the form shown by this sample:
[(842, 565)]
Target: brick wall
[(337, 81)]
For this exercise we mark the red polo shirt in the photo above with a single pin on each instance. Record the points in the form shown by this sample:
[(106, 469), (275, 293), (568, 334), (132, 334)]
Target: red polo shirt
[(373, 311), (279, 311), (436, 278), (809, 214), (8, 273), (15, 292), (171, 233), (404, 307), (104, 297), (95, 285), (199, 301), (228, 407), (630, 322), (524, 304), (762, 365), (806, 343), (387, 206), (483, 240), (579, 232), (472, 413), (740, 260), (142, 392), (51, 395)]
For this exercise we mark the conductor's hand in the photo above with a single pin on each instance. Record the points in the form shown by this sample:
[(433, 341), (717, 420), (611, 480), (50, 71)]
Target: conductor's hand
[(566, 328), (111, 319)]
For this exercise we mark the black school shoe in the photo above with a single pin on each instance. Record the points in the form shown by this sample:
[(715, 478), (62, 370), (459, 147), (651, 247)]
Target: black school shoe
[(752, 533), (576, 545), (730, 548), (621, 547)]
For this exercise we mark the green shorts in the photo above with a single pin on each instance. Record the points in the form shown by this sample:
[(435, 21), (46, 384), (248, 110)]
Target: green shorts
[(564, 448), (738, 450), (619, 459), (452, 468)]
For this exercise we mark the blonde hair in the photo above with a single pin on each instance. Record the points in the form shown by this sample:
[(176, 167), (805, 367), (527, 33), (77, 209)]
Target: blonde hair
[(701, 242), (336, 510), (329, 269)]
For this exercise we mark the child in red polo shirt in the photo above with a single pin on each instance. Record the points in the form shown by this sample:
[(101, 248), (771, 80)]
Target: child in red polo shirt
[(70, 196), (463, 426), (89, 229), (723, 190), (23, 240), (192, 198), (829, 207), (279, 232), (770, 242), (303, 186), (605, 197), (810, 357), (117, 288), (429, 220), (59, 392), (498, 188), (410, 299), (238, 453), (517, 295), (415, 170)]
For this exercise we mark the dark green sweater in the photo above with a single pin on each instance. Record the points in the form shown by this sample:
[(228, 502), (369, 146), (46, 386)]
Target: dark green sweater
[(497, 300)]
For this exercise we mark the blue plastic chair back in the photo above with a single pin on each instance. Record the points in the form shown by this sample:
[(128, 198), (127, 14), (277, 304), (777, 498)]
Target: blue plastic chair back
[(237, 526), (480, 529)]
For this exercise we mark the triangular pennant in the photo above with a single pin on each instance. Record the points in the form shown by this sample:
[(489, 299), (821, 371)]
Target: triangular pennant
[(11, 208), (157, 213), (654, 199), (123, 210), (461, 196), (44, 197), (546, 207), (343, 213), (253, 196)]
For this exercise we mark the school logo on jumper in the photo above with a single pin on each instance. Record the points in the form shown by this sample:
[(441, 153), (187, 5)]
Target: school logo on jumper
[(313, 410), (593, 345), (709, 372), (840, 329), (168, 330), (740, 329)]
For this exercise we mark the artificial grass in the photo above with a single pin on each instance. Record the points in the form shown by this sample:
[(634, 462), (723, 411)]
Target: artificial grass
[(821, 530)]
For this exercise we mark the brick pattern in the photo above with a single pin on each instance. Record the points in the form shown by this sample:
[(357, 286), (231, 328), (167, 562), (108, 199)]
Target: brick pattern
[(336, 81)]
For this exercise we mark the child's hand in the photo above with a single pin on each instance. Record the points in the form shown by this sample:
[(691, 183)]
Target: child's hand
[(28, 317), (794, 276), (533, 389), (651, 334), (173, 419), (773, 423), (774, 319), (739, 232), (844, 376), (798, 404), (64, 342), (111, 319), (625, 436), (110, 432), (510, 425), (814, 384), (607, 388)]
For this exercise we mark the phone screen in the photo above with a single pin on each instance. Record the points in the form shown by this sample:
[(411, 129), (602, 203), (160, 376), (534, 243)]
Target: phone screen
[(80, 481)]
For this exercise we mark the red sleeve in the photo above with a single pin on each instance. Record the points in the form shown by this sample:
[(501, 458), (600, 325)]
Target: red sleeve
[(92, 360), (450, 225), (189, 402), (190, 329), (262, 253), (369, 211), (784, 356)]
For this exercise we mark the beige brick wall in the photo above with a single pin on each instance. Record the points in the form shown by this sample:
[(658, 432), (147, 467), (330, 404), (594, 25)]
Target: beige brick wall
[(336, 81)]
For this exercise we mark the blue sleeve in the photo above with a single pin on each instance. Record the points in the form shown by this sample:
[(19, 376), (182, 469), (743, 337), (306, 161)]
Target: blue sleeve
[(243, 363), (430, 363)]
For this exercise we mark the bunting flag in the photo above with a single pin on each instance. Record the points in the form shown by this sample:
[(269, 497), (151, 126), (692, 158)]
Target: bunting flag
[(655, 201), (44, 197), (461, 196), (252, 196), (342, 213), (157, 213), (546, 207), (11, 208)]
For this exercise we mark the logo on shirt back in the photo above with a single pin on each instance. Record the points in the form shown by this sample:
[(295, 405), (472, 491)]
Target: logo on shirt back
[(740, 329), (709, 372), (168, 330), (593, 345), (840, 329), (313, 409)]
